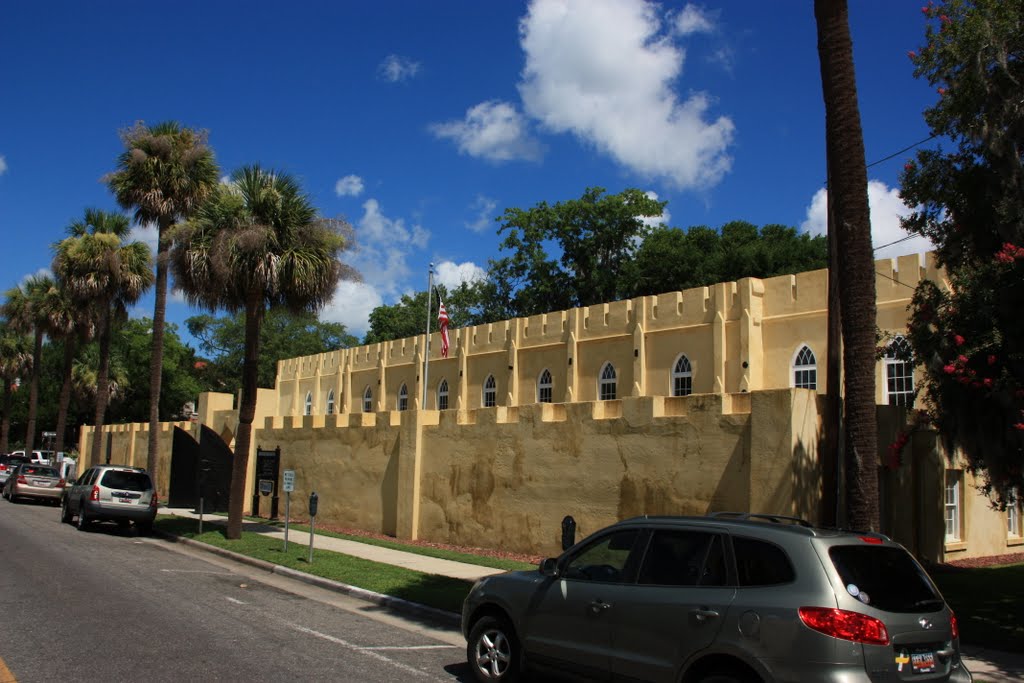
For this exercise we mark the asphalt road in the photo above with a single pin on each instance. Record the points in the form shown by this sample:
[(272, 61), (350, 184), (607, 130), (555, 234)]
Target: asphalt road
[(108, 605)]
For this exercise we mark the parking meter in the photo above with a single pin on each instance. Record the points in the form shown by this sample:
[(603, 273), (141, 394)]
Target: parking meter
[(314, 501), (568, 532)]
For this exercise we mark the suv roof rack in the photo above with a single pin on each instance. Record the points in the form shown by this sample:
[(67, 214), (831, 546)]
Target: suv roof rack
[(760, 517)]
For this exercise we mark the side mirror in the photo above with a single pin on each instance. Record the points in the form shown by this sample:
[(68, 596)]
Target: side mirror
[(549, 566)]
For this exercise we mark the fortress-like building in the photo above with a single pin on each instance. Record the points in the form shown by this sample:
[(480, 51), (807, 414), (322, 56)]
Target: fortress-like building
[(680, 403)]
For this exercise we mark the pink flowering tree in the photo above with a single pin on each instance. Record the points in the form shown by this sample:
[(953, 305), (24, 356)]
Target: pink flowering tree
[(968, 198)]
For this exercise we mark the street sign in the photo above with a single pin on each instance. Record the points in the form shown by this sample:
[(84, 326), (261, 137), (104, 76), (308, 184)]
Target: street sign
[(51, 434), (289, 481)]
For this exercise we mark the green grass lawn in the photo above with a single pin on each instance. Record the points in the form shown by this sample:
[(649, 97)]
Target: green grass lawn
[(988, 602)]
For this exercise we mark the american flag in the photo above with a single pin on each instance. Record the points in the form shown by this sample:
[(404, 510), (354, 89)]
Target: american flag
[(442, 319)]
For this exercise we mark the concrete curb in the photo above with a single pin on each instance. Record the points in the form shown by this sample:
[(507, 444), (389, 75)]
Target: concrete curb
[(446, 619)]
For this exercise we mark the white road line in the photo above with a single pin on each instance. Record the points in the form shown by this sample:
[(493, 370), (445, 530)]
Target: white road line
[(367, 651), (196, 571), (237, 602), (411, 647)]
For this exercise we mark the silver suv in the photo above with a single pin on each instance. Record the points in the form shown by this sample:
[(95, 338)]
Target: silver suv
[(111, 493), (727, 598)]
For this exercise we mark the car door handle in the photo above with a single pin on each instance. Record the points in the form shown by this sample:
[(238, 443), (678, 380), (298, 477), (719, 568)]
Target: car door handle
[(703, 614), (598, 606)]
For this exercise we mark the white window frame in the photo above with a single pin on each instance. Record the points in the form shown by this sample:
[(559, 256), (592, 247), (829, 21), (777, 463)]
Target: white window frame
[(545, 387), (804, 375), (308, 404), (1013, 518), (403, 397), (682, 376), (490, 393), (442, 395), (953, 505), (330, 402), (899, 374), (607, 383), (368, 399)]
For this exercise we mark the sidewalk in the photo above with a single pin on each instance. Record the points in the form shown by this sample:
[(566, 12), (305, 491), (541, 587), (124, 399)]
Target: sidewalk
[(987, 666)]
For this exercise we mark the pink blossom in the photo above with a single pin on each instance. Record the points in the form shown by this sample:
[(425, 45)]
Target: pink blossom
[(912, 55), (1019, 426), (941, 91), (949, 369), (959, 340), (988, 382), (961, 359)]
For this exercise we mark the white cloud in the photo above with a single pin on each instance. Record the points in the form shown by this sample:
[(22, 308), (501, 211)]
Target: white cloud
[(376, 228), (147, 234), (396, 68), (225, 179), (3, 164), (693, 19), (886, 210), (655, 221), (451, 274), (484, 208), (42, 272), (349, 186), (351, 306), (491, 130), (603, 70)]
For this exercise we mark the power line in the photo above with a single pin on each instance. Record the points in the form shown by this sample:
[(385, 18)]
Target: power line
[(905, 149)]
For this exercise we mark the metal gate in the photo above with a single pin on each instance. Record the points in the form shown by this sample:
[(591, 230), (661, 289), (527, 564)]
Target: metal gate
[(200, 470)]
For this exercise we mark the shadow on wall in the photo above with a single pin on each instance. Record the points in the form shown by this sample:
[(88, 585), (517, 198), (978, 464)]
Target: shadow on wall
[(389, 492)]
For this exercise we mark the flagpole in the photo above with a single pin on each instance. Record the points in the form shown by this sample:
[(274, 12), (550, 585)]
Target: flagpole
[(426, 342)]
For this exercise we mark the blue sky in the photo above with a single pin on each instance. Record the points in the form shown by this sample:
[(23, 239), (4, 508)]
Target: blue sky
[(420, 122)]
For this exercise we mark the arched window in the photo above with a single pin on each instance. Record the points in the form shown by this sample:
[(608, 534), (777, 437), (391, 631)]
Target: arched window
[(682, 377), (330, 402), (805, 369), (308, 410), (403, 397), (490, 392), (606, 386), (442, 395), (899, 373), (544, 387), (368, 400)]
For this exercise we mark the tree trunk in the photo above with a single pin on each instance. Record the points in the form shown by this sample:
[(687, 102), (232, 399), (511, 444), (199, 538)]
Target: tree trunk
[(832, 475), (5, 421), (102, 388), (849, 188), (246, 413), (33, 392), (65, 391), (156, 358)]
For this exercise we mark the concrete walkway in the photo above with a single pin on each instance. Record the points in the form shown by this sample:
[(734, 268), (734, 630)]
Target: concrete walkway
[(988, 666)]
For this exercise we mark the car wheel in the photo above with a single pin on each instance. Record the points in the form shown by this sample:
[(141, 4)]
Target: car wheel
[(83, 521), (493, 651), (65, 513), (725, 676)]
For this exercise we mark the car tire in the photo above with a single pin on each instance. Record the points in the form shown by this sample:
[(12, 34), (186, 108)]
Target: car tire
[(144, 528), (83, 521), (65, 512), (725, 676), (492, 650)]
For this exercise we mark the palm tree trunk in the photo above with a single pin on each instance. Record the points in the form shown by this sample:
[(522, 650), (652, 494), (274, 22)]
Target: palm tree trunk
[(246, 413), (65, 391), (849, 185), (156, 359), (33, 392), (5, 421), (102, 387)]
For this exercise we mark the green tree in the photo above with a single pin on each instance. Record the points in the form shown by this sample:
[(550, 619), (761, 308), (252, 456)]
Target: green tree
[(15, 362), (71, 323), (257, 243), (848, 188), (283, 334), (27, 310), (102, 271), (164, 173), (969, 200), (593, 238)]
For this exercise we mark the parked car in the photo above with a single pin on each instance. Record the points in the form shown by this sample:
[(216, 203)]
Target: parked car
[(729, 598), (111, 493), (39, 482), (7, 465)]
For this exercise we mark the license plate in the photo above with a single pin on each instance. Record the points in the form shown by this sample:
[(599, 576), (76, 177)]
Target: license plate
[(922, 662), (44, 483)]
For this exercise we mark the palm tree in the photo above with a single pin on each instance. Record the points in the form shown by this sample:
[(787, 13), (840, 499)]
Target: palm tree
[(257, 243), (15, 362), (102, 271), (72, 323), (26, 311), (164, 173), (848, 192)]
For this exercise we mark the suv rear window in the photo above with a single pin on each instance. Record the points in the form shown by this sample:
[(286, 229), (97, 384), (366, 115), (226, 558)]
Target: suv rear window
[(885, 577), (126, 481)]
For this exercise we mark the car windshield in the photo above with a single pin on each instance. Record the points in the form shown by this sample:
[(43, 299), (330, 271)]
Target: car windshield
[(886, 578), (38, 471), (126, 480)]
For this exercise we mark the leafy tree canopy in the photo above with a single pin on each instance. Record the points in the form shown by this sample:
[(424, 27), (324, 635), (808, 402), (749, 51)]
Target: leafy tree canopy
[(282, 335), (970, 202)]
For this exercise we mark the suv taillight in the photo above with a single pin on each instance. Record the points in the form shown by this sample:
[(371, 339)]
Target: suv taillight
[(95, 495), (153, 500), (22, 479), (845, 625), (61, 484), (953, 626)]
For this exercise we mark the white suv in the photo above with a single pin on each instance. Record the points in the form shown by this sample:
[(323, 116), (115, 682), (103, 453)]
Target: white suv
[(111, 493)]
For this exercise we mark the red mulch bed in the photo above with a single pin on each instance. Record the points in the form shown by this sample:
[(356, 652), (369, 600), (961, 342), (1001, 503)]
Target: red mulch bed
[(990, 561)]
